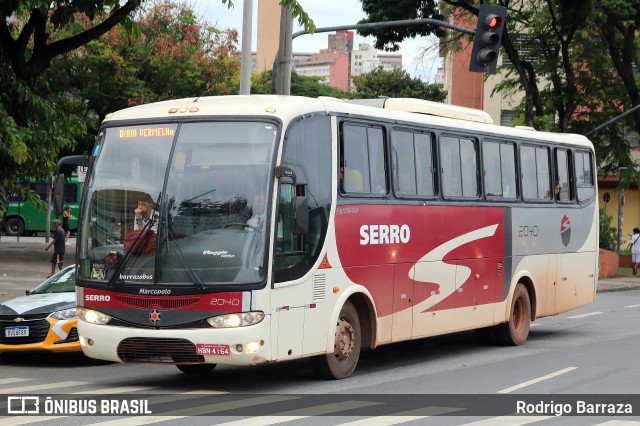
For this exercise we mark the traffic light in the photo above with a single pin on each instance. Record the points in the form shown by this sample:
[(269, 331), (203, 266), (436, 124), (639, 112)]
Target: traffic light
[(486, 43)]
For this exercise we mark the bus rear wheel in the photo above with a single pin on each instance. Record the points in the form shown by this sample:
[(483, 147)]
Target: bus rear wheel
[(14, 227), (348, 342), (196, 369), (516, 330)]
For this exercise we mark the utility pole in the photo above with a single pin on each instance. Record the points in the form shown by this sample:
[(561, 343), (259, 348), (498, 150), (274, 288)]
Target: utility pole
[(283, 60), (282, 63), (245, 62)]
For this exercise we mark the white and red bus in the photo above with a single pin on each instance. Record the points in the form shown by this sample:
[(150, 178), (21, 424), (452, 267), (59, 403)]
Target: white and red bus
[(287, 227)]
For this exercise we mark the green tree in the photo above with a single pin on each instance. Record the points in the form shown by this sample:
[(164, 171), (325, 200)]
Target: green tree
[(608, 232), (37, 119), (396, 84), (574, 61), (171, 55), (300, 86)]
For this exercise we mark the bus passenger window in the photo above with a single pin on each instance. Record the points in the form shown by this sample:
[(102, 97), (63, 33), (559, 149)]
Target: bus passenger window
[(363, 160), (459, 166), (562, 192)]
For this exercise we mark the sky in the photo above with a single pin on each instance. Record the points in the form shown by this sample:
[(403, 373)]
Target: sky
[(325, 13)]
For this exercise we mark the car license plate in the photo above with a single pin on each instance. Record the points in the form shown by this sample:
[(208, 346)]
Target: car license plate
[(22, 331), (212, 349)]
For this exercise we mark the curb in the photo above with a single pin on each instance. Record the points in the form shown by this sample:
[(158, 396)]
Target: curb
[(620, 288)]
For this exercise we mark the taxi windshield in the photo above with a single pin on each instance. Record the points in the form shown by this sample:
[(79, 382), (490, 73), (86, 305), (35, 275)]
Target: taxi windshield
[(62, 282), (178, 204)]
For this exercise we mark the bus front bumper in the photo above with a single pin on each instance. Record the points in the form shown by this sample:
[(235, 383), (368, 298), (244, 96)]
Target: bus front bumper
[(248, 345)]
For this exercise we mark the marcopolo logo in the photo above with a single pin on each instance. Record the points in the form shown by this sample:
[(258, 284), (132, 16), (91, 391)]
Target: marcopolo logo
[(155, 292)]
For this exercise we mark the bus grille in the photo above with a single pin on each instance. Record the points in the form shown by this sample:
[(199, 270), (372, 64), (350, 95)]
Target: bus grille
[(163, 302), (158, 351), (38, 330)]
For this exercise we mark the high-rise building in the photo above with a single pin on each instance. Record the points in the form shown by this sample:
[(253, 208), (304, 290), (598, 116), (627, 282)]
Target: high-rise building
[(268, 34)]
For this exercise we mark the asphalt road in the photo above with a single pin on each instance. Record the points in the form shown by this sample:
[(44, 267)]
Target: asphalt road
[(593, 350)]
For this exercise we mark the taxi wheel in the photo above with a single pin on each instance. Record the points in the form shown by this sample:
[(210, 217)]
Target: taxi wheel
[(348, 341), (196, 369)]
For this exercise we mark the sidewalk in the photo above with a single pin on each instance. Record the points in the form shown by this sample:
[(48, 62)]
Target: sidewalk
[(25, 264)]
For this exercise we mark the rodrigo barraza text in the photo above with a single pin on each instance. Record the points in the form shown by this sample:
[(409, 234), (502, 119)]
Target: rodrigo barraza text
[(577, 407)]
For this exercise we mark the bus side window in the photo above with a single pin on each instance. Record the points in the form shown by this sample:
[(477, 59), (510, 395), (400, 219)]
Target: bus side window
[(307, 152), (459, 156), (584, 176), (563, 185), (363, 161), (499, 181)]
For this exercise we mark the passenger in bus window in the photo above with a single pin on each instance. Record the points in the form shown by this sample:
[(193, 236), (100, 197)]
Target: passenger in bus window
[(351, 182), (144, 212), (256, 221)]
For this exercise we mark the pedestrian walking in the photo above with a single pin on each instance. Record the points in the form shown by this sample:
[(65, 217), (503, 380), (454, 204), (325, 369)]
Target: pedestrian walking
[(635, 250), (66, 215), (58, 241)]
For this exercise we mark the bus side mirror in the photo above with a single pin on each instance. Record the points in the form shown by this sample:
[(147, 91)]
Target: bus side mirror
[(300, 215), (58, 195)]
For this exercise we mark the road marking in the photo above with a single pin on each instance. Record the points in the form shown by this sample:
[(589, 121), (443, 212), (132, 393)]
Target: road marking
[(633, 306), (116, 390), (12, 380), (509, 421), (539, 379), (196, 411), (301, 413), (535, 324), (402, 417), (585, 315), (25, 389)]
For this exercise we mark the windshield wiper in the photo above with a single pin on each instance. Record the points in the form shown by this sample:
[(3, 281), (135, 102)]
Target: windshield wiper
[(195, 279), (135, 246)]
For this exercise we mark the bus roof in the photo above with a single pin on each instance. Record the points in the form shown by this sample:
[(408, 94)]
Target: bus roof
[(286, 108)]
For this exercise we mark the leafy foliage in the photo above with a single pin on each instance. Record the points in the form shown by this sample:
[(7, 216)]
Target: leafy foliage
[(608, 232), (395, 84), (575, 62), (65, 64), (396, 10), (300, 86)]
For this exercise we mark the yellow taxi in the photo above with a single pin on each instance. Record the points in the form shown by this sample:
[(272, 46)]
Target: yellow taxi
[(44, 319)]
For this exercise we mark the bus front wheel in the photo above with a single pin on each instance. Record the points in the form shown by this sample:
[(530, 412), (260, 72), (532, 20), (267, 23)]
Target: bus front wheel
[(516, 330), (14, 227), (196, 369), (348, 341)]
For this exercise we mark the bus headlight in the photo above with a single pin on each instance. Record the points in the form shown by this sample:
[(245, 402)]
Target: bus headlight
[(64, 314), (93, 317), (241, 319)]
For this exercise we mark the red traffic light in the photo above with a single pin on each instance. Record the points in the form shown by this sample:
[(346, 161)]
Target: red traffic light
[(487, 39), (492, 21)]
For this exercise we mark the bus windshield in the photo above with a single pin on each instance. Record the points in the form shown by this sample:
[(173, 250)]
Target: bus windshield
[(178, 204)]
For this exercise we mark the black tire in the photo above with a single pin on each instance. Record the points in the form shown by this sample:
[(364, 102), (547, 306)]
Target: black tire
[(14, 227), (348, 342), (196, 369), (516, 330)]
